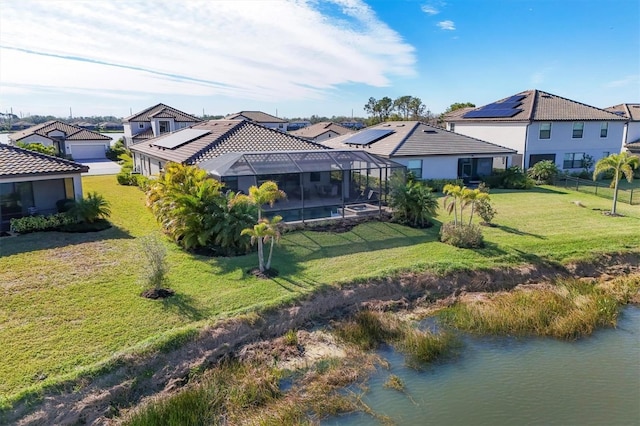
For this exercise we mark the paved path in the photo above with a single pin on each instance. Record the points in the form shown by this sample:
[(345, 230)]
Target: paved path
[(101, 167)]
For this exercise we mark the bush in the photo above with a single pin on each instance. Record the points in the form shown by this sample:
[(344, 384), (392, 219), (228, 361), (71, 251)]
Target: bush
[(96, 226), (438, 184), (124, 178), (114, 152), (28, 224), (462, 236), (544, 172), (485, 210), (156, 255), (64, 205), (511, 178), (90, 209)]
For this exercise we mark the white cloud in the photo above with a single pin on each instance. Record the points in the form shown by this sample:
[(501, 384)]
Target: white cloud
[(429, 10), (629, 80), (252, 50), (447, 25)]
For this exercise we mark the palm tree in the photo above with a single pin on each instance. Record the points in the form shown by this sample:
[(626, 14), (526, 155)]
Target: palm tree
[(471, 196), (622, 164), (267, 193), (452, 199), (90, 209), (258, 233), (273, 236)]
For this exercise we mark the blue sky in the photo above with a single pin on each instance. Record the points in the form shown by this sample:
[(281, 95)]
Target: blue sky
[(298, 58)]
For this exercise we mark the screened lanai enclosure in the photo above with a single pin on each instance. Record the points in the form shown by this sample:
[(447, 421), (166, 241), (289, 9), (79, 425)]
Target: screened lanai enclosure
[(319, 184)]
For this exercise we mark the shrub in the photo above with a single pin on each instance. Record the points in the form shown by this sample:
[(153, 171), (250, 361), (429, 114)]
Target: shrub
[(156, 256), (438, 184), (124, 178), (485, 210), (25, 225), (64, 205), (114, 152), (90, 209), (543, 172), (462, 236), (511, 178), (98, 225), (413, 203)]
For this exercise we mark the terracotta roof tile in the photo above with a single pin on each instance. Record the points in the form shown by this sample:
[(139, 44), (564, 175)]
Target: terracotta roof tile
[(16, 162)]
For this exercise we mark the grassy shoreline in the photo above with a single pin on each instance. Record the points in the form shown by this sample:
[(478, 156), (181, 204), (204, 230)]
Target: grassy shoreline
[(83, 289)]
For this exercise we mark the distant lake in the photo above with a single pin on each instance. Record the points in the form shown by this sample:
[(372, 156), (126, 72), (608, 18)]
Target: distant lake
[(4, 137)]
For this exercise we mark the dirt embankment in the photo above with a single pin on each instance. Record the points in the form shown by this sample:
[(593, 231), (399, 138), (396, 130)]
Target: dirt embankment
[(96, 401)]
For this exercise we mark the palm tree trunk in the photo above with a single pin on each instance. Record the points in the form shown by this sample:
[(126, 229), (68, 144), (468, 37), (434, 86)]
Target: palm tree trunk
[(268, 266), (260, 255), (615, 194), (471, 215)]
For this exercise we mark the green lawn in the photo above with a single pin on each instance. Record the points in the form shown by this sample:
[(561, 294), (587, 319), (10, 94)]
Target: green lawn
[(71, 301)]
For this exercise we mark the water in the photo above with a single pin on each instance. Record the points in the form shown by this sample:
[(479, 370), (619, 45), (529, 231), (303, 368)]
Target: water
[(507, 381)]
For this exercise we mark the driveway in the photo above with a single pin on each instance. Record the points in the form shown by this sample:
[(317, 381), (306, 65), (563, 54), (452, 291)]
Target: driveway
[(101, 167)]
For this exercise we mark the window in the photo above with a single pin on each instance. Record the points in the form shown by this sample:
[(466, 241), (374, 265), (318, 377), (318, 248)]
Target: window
[(140, 125), (452, 127), (314, 177), (604, 129), (578, 129), (15, 199), (164, 126), (573, 160), (545, 130), (415, 167)]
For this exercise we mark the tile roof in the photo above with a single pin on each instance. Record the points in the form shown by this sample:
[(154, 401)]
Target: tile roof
[(19, 162), (147, 134), (162, 111), (256, 116), (542, 106), (417, 139), (320, 129), (630, 111), (224, 136), (72, 132), (633, 147)]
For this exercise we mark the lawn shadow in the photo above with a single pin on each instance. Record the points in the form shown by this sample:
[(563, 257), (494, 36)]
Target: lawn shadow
[(538, 189), (515, 231), (50, 240), (491, 250), (184, 306)]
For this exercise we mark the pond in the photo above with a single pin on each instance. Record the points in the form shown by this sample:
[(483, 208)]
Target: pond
[(509, 381)]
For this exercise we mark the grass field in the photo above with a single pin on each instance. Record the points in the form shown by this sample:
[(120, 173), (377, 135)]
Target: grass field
[(71, 301)]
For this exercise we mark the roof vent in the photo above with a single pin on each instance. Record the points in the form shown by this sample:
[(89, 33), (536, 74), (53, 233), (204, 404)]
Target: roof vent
[(430, 131), (546, 96), (400, 125), (386, 125)]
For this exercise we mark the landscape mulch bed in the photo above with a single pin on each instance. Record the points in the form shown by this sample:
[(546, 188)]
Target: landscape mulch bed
[(157, 293)]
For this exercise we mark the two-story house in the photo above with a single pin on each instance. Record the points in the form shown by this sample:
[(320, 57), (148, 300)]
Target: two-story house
[(261, 118), (155, 121), (631, 140), (542, 126)]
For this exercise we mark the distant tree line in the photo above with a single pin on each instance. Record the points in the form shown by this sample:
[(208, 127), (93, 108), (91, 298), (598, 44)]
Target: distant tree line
[(401, 109)]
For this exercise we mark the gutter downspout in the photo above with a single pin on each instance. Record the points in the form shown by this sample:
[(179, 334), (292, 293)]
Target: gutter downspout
[(526, 145)]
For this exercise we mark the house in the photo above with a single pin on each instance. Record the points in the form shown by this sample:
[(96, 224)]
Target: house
[(69, 140), (321, 131), (111, 126), (21, 125), (356, 125), (319, 182), (427, 151), (542, 126), (631, 112), (155, 121), (262, 118), (32, 183)]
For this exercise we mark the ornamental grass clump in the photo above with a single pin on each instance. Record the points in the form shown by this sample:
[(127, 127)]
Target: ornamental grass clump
[(568, 310)]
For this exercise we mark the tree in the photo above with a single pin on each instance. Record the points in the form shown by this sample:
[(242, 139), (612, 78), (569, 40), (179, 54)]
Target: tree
[(416, 108), (402, 105), (452, 200), (621, 164), (459, 105), (38, 147), (543, 171)]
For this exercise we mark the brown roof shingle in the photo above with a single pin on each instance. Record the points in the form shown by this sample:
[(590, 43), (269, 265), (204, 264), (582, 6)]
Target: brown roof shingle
[(256, 116), (17, 162), (72, 132), (224, 136), (542, 106), (417, 139), (319, 129), (162, 111), (630, 111)]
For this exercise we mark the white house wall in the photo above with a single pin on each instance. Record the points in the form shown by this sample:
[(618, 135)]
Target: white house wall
[(632, 132), (37, 139), (510, 135), (561, 141)]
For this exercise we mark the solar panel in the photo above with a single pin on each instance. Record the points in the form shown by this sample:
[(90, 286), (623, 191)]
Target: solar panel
[(180, 137), (492, 113), (366, 137)]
